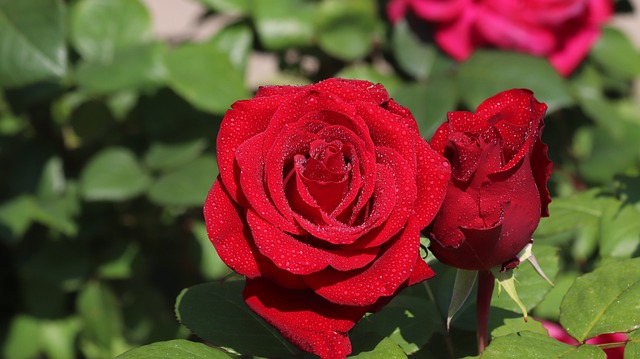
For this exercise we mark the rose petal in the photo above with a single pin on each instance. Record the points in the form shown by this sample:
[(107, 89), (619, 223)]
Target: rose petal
[(243, 121), (228, 233), (251, 162), (384, 201), (455, 37), (406, 193), (433, 173), (297, 257), (381, 278), (305, 319), (439, 10), (231, 237)]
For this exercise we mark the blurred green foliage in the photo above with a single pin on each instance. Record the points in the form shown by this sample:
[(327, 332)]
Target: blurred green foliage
[(107, 151)]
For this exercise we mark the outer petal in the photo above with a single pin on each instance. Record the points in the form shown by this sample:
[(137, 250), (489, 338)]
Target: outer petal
[(246, 119), (229, 234), (307, 320), (380, 279)]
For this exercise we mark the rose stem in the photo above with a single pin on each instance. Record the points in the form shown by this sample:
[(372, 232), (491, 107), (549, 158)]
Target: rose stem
[(485, 291)]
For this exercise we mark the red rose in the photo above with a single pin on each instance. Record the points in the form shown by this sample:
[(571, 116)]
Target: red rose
[(323, 190), (562, 31), (497, 193)]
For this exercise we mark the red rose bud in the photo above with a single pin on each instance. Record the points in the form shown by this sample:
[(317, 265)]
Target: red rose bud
[(498, 191), (322, 193)]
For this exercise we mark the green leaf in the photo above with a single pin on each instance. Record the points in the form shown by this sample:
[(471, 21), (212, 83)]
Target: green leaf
[(205, 76), (235, 40), (119, 261), (408, 321), (487, 73), (632, 349), (113, 175), (603, 301), (385, 349), (59, 337), (370, 73), (549, 307), (102, 321), (23, 339), (517, 325), (345, 28), (217, 313), (131, 68), (283, 24), (594, 216), (528, 345), (616, 53), (530, 286), (414, 56), (162, 156), (16, 216), (233, 6), (187, 185), (429, 103), (32, 46), (99, 28), (211, 266), (178, 348)]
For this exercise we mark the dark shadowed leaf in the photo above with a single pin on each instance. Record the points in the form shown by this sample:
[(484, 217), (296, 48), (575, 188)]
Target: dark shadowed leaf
[(217, 313)]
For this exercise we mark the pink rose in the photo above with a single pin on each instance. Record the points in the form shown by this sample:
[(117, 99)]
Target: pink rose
[(561, 30)]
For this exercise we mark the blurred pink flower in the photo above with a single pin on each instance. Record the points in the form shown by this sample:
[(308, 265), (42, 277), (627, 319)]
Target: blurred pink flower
[(558, 333), (561, 30)]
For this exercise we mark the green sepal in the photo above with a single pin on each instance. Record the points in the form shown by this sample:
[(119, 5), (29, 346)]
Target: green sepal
[(507, 281), (465, 279)]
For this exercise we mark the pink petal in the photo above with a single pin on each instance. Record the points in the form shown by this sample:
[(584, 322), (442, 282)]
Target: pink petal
[(456, 38), (566, 58), (439, 10)]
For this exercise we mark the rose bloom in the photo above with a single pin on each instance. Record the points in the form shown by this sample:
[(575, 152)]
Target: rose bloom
[(557, 332), (322, 193), (561, 30), (497, 193)]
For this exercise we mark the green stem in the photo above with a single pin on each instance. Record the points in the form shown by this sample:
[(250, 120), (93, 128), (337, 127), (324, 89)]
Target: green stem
[(485, 291)]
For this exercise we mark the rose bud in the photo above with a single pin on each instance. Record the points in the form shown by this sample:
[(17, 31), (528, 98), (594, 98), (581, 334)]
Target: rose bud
[(322, 193), (497, 193)]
